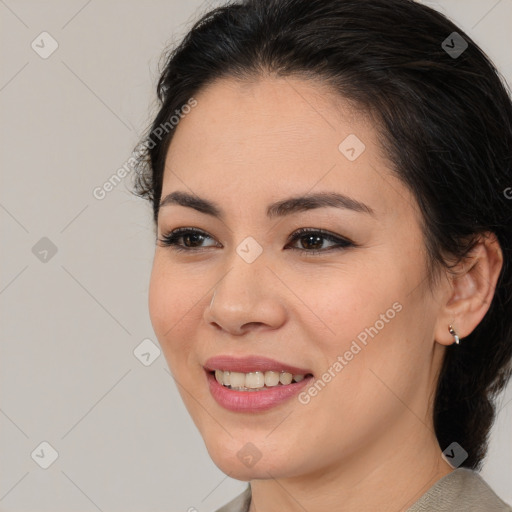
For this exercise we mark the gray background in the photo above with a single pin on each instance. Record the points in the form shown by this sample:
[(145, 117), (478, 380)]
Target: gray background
[(72, 320)]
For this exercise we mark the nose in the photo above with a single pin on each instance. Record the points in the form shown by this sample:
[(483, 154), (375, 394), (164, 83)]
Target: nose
[(249, 297)]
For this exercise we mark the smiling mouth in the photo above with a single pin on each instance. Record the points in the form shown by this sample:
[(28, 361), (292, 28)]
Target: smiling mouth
[(257, 380)]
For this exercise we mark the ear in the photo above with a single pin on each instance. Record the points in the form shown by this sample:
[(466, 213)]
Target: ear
[(471, 286)]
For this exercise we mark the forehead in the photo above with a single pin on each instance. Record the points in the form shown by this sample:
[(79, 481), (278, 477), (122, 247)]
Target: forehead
[(272, 135), (283, 115)]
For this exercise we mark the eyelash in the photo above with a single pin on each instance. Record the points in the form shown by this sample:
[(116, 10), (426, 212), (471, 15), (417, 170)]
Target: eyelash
[(170, 240)]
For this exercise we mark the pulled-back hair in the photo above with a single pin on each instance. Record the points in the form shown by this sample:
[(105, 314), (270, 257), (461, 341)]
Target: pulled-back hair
[(445, 124)]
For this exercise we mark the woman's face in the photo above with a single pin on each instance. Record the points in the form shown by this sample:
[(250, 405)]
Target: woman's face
[(355, 318)]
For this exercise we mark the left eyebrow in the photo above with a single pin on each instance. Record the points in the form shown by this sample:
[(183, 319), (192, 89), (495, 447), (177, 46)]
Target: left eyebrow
[(278, 209), (318, 200)]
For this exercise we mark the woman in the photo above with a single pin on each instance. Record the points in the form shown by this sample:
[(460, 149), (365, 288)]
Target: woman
[(331, 283)]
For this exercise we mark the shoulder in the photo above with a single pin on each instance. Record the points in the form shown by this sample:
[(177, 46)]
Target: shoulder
[(239, 504), (463, 490)]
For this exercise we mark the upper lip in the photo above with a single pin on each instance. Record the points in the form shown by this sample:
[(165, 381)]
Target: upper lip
[(251, 364)]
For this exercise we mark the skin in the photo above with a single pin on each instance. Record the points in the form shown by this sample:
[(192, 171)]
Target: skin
[(366, 440)]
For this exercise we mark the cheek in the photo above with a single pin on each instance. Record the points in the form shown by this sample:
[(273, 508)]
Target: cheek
[(364, 326), (162, 302), (172, 297), (344, 305), (373, 358)]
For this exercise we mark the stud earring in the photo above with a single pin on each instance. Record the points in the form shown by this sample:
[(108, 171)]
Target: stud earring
[(454, 334)]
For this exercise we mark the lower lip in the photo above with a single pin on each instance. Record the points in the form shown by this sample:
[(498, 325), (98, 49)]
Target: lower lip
[(250, 401)]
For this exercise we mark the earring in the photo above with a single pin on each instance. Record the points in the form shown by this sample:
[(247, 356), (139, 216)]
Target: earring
[(454, 334)]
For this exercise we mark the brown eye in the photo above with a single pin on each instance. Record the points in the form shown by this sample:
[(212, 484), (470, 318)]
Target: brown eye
[(312, 241), (185, 239), (191, 239)]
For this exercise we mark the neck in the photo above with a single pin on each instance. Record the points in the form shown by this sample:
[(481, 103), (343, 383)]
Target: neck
[(391, 475)]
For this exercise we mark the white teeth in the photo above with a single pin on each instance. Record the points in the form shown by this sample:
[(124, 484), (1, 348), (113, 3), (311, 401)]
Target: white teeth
[(271, 379), (285, 378), (253, 381), (236, 380)]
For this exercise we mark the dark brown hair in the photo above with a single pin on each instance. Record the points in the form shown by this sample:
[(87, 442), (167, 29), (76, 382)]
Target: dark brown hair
[(445, 122)]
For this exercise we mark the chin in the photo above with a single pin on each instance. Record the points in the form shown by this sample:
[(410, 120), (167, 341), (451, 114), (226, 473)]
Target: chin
[(242, 460), (261, 470)]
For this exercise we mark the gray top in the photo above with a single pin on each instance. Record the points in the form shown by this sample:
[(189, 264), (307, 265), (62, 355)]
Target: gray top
[(462, 490)]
